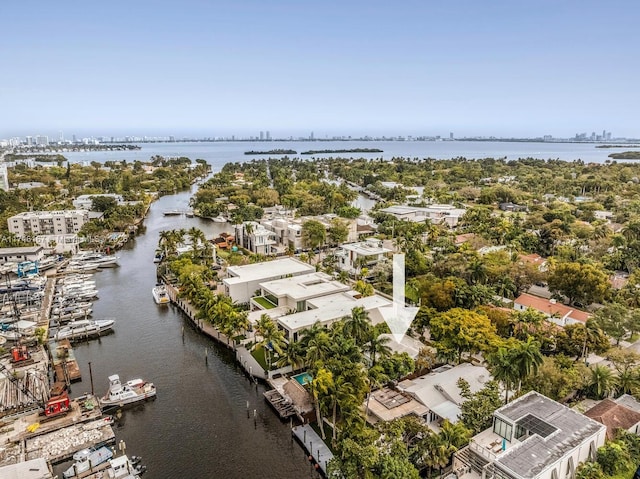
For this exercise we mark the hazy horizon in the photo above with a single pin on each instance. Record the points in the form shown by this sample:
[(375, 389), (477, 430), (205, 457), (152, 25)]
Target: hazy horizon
[(218, 68)]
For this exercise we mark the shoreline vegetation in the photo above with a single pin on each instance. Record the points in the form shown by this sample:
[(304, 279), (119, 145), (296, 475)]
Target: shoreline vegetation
[(272, 152), (617, 146), (351, 150), (626, 155)]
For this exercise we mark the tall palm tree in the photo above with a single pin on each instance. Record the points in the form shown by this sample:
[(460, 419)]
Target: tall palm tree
[(504, 369), (293, 355), (378, 347), (456, 435), (602, 381), (358, 325), (527, 358)]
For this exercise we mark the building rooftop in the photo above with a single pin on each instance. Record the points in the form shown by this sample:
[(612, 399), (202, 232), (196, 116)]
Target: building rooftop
[(20, 250), (266, 270), (334, 307), (629, 401), (554, 430), (304, 286), (366, 248), (613, 415), (551, 307), (408, 345), (439, 389), (386, 405), (33, 469)]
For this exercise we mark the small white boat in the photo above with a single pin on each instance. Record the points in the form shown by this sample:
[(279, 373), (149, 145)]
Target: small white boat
[(80, 314), (219, 219), (81, 267), (122, 467), (87, 459), (160, 294), (84, 328), (173, 213), (131, 392)]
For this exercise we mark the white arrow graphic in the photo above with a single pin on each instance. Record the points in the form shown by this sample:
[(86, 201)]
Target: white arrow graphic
[(398, 316)]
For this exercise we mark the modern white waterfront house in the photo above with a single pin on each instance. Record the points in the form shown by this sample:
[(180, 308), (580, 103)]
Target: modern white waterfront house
[(325, 310), (243, 281), (85, 202), (292, 293), (352, 257), (533, 437), (30, 224), (448, 215)]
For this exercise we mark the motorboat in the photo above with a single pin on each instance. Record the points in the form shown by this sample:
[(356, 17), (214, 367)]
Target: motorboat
[(122, 467), (130, 392), (172, 213), (219, 219), (72, 315), (87, 459), (84, 328), (71, 306), (77, 267), (160, 294), (158, 257), (101, 260)]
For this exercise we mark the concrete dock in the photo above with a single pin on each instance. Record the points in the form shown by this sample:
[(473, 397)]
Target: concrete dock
[(314, 445)]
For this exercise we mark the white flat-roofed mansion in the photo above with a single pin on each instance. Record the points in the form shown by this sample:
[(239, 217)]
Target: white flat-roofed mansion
[(352, 257), (30, 224), (243, 281), (437, 214), (85, 202), (533, 437)]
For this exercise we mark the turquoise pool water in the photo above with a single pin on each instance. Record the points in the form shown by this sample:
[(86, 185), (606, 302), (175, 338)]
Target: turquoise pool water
[(303, 378)]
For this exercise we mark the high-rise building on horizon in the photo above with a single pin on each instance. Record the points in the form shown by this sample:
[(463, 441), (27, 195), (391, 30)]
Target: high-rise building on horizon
[(42, 140), (311, 136), (268, 135), (261, 135)]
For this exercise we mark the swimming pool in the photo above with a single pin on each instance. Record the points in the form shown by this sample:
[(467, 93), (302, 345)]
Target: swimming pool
[(303, 378)]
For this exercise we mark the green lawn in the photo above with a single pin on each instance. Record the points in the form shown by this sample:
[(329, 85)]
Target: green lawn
[(258, 354), (264, 302)]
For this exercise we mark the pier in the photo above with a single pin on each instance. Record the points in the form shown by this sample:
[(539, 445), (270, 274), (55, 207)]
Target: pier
[(314, 445), (64, 361), (283, 406)]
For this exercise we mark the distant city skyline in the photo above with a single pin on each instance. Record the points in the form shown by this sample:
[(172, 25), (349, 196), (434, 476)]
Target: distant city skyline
[(221, 68)]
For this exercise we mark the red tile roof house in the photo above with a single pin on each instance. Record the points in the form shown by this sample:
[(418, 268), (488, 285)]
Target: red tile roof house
[(536, 260), (615, 416), (557, 313)]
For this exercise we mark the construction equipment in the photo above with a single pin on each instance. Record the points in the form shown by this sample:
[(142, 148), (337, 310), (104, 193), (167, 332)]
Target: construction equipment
[(20, 355), (57, 405)]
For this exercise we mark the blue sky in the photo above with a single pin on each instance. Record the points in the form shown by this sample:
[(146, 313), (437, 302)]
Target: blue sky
[(333, 67)]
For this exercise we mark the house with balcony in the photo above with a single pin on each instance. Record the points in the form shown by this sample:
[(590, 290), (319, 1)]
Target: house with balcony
[(292, 293), (555, 312), (325, 310), (352, 257), (243, 281), (532, 437), (256, 238)]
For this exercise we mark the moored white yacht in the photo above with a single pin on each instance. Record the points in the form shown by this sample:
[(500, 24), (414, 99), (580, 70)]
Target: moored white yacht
[(160, 294), (84, 328), (131, 392)]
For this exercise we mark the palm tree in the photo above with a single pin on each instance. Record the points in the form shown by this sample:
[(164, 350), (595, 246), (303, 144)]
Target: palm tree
[(504, 369), (602, 381), (378, 347), (527, 358), (456, 435), (320, 386), (358, 325), (292, 355)]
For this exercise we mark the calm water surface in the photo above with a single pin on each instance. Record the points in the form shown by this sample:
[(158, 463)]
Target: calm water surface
[(219, 153), (198, 426)]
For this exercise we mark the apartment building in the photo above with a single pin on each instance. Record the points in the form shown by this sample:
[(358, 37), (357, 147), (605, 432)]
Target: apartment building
[(30, 224)]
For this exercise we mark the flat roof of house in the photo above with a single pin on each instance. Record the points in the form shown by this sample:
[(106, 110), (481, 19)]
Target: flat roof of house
[(613, 415), (564, 429), (387, 405), (407, 345), (304, 286), (551, 308), (405, 209), (439, 391), (20, 250), (338, 308), (365, 248), (32, 469), (267, 270)]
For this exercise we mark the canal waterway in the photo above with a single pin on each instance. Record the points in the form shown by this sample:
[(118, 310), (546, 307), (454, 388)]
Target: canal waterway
[(199, 425)]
